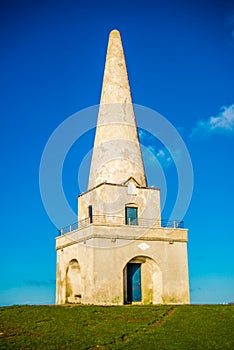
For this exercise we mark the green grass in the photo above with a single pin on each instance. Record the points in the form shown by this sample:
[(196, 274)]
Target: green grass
[(120, 327)]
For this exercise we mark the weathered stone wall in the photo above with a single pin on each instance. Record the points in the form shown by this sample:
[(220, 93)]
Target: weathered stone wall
[(91, 261), (102, 260), (111, 199), (116, 154)]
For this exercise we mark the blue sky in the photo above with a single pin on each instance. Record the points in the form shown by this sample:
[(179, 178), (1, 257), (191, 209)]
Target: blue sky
[(180, 57)]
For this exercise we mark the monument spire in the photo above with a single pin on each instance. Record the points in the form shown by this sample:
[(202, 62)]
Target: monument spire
[(119, 253), (116, 153)]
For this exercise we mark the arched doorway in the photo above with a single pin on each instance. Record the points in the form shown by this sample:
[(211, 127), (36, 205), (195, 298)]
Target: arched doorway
[(142, 281), (73, 282)]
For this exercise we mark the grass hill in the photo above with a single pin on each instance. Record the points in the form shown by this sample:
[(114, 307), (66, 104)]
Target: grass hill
[(117, 327)]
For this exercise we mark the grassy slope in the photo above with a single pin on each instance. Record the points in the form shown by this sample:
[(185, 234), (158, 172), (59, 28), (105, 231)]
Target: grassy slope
[(127, 327)]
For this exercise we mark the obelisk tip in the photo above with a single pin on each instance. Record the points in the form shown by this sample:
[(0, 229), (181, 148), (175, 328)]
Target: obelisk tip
[(116, 153), (114, 33)]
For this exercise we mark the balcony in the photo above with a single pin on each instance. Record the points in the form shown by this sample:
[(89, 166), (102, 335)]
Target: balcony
[(110, 220)]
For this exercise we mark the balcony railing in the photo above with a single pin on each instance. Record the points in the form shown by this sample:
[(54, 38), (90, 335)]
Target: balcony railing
[(105, 220)]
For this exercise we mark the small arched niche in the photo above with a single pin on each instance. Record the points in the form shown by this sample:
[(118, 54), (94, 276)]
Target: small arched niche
[(73, 282), (142, 279)]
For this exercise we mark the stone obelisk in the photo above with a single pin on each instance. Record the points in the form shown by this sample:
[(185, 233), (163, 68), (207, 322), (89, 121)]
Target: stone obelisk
[(116, 153), (119, 253)]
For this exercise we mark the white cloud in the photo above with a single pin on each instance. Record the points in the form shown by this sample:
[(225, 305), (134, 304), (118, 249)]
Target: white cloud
[(223, 121), (141, 133), (151, 149), (163, 157), (160, 154)]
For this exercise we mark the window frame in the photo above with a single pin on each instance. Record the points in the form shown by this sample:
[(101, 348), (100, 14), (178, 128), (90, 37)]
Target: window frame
[(129, 219)]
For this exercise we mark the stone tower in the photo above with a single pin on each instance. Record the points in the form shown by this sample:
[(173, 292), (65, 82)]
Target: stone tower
[(120, 253)]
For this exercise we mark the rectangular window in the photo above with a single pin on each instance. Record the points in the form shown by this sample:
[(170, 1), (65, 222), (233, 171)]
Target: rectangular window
[(90, 214), (131, 216)]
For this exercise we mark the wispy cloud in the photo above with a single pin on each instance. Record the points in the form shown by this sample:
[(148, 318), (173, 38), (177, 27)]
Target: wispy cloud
[(229, 20), (229, 24), (38, 283), (162, 154), (141, 133), (223, 122), (164, 157)]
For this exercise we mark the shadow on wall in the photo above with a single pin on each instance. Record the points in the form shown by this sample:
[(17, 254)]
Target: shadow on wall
[(73, 282)]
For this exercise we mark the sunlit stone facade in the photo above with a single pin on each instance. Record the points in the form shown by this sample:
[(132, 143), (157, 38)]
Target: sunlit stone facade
[(120, 253)]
